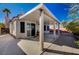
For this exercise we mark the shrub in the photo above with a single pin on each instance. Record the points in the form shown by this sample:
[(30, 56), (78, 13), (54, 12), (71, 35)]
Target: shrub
[(2, 25), (73, 27)]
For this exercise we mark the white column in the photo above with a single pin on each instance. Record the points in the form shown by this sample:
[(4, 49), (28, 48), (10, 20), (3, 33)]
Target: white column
[(54, 31), (58, 29), (41, 30), (10, 27), (25, 28)]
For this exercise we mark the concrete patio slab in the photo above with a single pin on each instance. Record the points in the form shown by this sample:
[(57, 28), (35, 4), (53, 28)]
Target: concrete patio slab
[(32, 47), (50, 53), (64, 48)]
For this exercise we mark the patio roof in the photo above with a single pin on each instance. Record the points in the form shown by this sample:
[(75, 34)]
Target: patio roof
[(41, 6), (38, 7)]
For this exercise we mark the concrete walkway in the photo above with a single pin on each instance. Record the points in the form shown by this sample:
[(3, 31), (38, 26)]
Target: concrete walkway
[(32, 47), (63, 49), (8, 46)]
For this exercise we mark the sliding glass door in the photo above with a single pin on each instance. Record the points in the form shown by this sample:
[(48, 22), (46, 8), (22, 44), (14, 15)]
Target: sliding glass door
[(30, 29)]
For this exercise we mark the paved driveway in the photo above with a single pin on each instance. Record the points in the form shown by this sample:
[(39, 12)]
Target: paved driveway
[(8, 46)]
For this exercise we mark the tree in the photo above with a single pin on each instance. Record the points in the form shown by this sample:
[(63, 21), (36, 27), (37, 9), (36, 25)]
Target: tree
[(73, 11), (7, 12)]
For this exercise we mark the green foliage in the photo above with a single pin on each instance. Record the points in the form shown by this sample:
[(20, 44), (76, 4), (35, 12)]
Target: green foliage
[(76, 43), (73, 27), (6, 11), (2, 25)]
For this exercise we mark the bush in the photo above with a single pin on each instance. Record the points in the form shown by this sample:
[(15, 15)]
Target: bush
[(2, 25), (73, 27)]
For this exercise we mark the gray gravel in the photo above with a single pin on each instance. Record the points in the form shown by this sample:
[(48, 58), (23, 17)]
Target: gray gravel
[(65, 39)]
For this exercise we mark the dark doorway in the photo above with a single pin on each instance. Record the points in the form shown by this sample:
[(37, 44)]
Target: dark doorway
[(44, 27), (22, 27), (32, 29)]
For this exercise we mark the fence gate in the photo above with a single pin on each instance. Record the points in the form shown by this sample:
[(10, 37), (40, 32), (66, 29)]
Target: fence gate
[(4, 30)]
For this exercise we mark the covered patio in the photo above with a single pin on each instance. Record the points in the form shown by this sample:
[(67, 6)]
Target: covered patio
[(41, 17)]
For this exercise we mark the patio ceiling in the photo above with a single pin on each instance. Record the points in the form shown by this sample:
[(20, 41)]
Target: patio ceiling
[(34, 14)]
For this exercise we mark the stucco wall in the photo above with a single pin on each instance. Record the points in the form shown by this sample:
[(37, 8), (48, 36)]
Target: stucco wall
[(10, 27), (16, 28), (13, 29), (0, 31)]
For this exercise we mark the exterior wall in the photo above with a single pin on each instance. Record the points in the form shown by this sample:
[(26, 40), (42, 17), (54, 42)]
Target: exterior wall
[(15, 28), (10, 27), (0, 31)]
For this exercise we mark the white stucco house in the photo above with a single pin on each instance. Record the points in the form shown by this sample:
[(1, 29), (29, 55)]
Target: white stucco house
[(23, 26), (34, 21)]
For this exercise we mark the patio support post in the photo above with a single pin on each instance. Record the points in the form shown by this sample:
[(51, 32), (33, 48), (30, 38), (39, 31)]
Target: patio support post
[(41, 30), (54, 31), (58, 29)]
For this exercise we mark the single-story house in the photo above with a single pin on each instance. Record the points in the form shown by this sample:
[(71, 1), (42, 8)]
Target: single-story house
[(33, 22), (37, 20)]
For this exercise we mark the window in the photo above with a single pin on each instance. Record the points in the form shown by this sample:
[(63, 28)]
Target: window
[(28, 26), (22, 27)]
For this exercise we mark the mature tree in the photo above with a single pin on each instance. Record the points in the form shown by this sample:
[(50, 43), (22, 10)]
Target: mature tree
[(7, 12)]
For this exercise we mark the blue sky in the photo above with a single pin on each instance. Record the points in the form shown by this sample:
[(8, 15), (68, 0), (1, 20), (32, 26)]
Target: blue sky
[(58, 9)]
